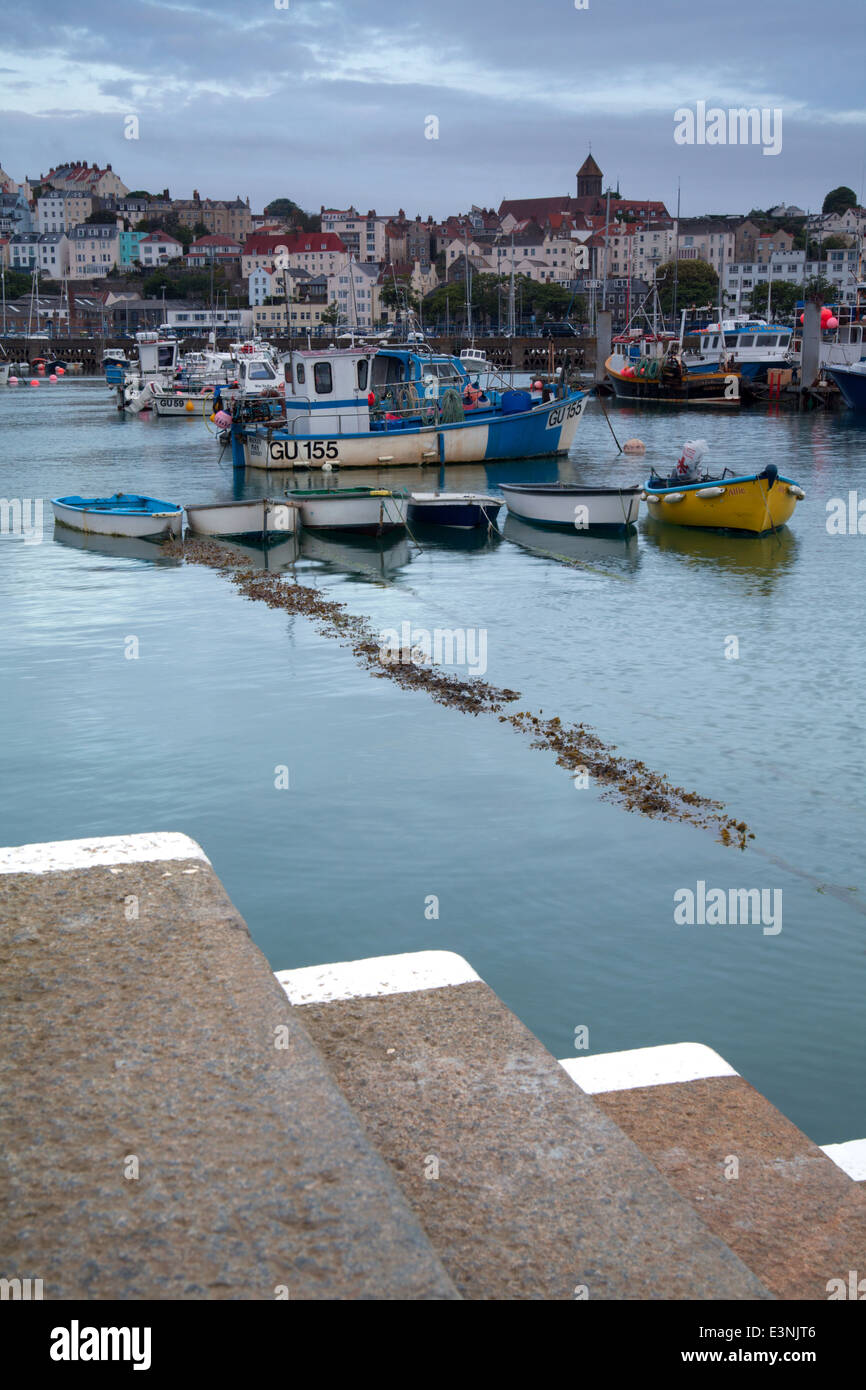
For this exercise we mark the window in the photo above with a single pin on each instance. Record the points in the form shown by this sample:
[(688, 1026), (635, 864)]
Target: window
[(362, 374), (322, 378)]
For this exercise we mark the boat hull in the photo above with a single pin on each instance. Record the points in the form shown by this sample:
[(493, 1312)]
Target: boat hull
[(258, 518), (147, 526), (183, 405), (537, 433), (462, 513), (852, 384), (577, 509), (693, 388), (371, 515), (749, 505)]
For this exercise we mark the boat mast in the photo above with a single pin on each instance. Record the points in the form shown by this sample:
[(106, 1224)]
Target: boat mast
[(511, 327), (676, 253), (468, 283), (606, 240)]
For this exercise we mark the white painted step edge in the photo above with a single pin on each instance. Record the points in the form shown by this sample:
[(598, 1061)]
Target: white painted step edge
[(58, 856), (378, 975), (645, 1066), (850, 1157)]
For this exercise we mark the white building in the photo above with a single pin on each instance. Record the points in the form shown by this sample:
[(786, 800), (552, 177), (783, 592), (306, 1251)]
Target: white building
[(365, 237), (158, 249), (840, 268), (60, 210)]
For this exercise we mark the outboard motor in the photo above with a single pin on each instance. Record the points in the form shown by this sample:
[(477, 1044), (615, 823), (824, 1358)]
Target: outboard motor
[(771, 473)]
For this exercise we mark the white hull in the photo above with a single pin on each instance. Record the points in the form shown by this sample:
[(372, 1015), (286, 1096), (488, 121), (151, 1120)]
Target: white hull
[(145, 527), (185, 405), (606, 509), (353, 513), (556, 425), (260, 516), (4, 373)]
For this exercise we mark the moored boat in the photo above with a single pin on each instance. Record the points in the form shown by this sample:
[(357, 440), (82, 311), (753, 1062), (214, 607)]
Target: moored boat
[(578, 508), (754, 502), (369, 510), (852, 383), (395, 406), (124, 514), (461, 509), (260, 517)]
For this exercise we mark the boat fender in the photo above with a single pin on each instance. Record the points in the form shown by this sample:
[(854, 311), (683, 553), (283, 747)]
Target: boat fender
[(674, 496), (710, 492), (652, 370), (796, 492)]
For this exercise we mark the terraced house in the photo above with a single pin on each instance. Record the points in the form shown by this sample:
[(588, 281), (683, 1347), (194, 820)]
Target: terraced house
[(93, 251)]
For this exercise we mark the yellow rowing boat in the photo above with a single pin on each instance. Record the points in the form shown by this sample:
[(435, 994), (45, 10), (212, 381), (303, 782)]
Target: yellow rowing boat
[(756, 502)]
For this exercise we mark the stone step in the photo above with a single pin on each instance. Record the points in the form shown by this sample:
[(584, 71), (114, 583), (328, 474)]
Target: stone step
[(169, 1129), (779, 1201), (525, 1187)]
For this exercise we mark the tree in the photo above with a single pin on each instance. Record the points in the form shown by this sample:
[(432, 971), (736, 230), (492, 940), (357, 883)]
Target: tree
[(782, 300), (102, 219), (839, 199), (184, 284), (819, 287), (398, 296), (200, 230), (697, 283), (140, 193), (836, 243), (18, 282), (288, 211), (331, 315)]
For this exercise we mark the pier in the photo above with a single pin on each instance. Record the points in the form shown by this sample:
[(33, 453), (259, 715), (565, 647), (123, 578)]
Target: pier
[(180, 1122)]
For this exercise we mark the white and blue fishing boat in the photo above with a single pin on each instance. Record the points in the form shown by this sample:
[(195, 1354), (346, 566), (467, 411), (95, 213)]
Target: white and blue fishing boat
[(752, 346), (402, 406), (124, 514), (851, 382), (464, 510)]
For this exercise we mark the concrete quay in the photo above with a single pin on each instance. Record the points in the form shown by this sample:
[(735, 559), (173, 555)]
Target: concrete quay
[(180, 1123)]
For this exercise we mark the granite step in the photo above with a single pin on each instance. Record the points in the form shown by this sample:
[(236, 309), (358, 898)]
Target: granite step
[(169, 1129), (793, 1214), (524, 1186)]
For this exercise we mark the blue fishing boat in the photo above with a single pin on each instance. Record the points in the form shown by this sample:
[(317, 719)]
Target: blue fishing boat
[(851, 382), (124, 514), (365, 407)]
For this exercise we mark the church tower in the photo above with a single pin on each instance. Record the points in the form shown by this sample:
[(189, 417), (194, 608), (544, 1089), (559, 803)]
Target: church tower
[(589, 179)]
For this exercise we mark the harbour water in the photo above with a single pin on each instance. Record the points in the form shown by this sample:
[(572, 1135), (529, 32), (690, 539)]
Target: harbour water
[(406, 824)]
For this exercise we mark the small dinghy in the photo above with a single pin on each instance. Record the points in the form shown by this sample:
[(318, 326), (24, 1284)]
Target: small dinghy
[(754, 503), (462, 509), (579, 508), (258, 519), (124, 514), (371, 510)]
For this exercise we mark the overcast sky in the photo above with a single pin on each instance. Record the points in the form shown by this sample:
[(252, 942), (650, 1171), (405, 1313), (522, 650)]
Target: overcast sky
[(325, 101)]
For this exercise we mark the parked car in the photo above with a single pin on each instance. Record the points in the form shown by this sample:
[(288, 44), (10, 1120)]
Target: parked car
[(559, 330)]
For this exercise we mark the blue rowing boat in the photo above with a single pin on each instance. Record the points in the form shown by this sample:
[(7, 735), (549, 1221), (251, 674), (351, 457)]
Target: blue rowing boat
[(124, 514)]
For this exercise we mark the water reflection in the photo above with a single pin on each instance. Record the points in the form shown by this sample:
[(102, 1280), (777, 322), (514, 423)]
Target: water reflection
[(115, 547), (608, 553), (762, 560), (373, 557)]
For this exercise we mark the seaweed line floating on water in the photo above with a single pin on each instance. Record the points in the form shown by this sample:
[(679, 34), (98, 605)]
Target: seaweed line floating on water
[(624, 780)]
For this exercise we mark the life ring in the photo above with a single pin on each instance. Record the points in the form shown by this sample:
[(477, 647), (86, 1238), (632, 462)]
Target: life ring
[(653, 369)]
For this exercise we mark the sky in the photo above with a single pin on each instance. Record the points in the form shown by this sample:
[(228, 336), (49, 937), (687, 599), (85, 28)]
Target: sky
[(331, 102)]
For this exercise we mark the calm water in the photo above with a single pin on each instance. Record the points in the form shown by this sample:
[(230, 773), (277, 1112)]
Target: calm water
[(563, 902)]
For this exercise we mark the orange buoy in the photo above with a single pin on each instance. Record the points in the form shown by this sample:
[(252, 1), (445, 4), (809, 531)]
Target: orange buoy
[(634, 446), (34, 382)]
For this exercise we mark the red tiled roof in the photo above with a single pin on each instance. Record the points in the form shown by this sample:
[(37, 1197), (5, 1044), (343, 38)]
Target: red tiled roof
[(296, 243)]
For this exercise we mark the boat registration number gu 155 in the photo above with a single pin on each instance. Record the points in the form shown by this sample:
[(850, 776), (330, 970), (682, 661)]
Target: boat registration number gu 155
[(290, 450), (563, 413)]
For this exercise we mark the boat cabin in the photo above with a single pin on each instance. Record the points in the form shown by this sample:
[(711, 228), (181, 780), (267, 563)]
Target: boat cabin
[(334, 385), (157, 356)]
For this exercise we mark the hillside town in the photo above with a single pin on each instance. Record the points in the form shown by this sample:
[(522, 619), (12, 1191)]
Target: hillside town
[(80, 252)]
